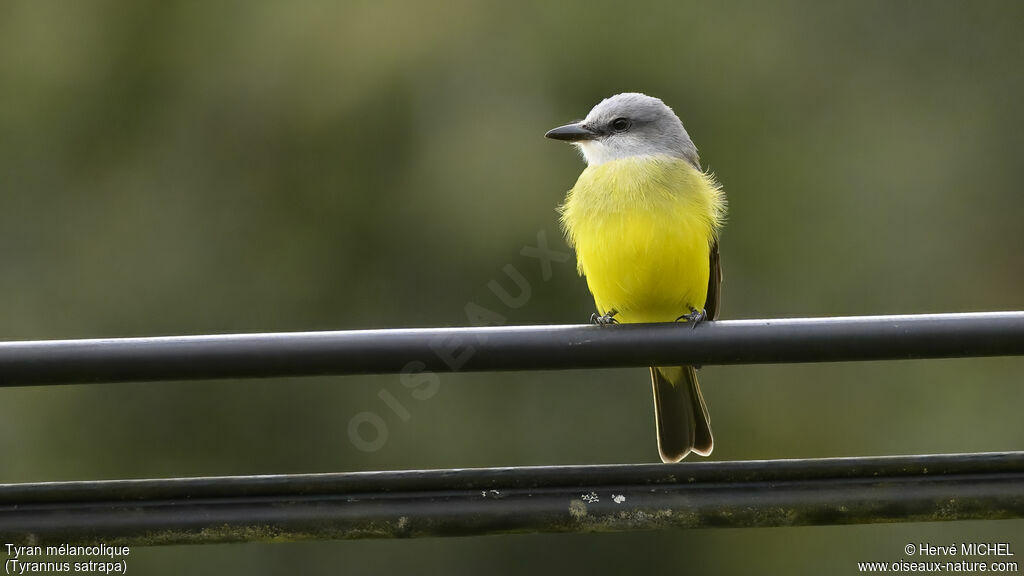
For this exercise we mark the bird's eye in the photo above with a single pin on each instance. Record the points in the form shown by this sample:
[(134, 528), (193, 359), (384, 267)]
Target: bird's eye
[(620, 124)]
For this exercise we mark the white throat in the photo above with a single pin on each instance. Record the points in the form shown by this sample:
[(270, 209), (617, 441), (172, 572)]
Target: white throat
[(596, 152)]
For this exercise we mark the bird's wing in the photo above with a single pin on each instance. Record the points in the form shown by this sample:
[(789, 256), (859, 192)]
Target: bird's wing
[(713, 301)]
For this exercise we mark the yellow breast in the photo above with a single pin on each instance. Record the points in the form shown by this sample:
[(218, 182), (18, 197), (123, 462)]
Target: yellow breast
[(642, 228)]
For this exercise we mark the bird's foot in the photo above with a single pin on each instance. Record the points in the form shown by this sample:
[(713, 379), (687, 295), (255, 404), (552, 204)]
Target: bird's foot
[(694, 317), (608, 318)]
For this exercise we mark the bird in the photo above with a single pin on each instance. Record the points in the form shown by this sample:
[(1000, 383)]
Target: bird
[(644, 221)]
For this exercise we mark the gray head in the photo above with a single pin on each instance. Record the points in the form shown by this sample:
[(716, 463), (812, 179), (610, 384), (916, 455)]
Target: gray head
[(629, 124)]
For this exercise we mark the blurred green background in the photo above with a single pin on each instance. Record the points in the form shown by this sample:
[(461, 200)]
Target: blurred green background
[(191, 167)]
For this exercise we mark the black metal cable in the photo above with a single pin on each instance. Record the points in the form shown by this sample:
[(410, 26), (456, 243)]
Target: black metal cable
[(503, 500), (511, 348)]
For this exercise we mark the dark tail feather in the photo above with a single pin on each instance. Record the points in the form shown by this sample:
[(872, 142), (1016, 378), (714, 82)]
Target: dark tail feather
[(680, 413)]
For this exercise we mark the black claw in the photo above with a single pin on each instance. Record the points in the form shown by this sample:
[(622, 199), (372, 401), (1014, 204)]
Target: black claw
[(608, 318), (694, 317)]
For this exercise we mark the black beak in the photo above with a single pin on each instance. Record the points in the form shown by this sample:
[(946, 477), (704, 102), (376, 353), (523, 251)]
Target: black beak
[(571, 133)]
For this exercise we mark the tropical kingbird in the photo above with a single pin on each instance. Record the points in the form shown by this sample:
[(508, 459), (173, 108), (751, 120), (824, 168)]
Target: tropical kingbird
[(644, 220)]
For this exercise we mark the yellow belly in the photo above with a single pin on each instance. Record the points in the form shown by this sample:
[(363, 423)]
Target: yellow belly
[(642, 228)]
